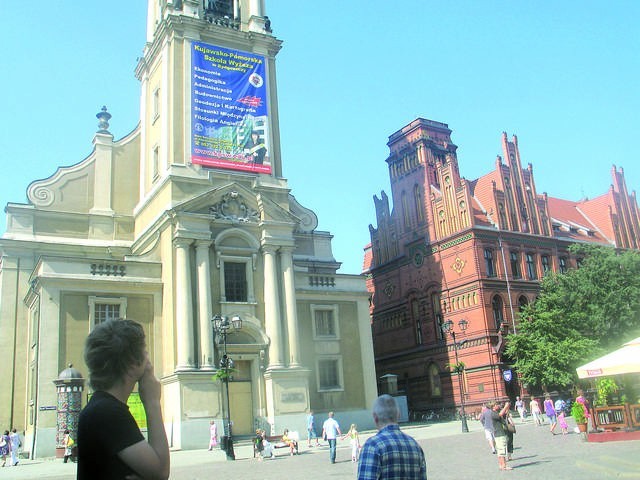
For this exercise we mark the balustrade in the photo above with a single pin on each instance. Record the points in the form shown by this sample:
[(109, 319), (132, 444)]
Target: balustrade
[(614, 417)]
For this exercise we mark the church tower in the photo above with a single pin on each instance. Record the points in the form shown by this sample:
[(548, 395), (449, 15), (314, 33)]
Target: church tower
[(187, 220), (210, 149), (208, 91)]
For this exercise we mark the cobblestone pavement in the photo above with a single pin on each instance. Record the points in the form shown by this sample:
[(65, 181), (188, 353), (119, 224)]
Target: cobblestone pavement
[(450, 455)]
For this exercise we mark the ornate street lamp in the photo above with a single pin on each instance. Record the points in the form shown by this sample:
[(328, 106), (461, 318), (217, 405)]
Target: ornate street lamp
[(448, 327), (222, 325)]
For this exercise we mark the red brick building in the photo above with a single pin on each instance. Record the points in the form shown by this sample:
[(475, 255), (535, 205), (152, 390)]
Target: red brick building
[(454, 249)]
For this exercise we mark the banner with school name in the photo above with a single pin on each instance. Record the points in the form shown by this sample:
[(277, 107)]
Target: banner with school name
[(229, 109)]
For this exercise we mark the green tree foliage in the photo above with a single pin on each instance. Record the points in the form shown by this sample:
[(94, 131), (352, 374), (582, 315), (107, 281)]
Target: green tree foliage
[(578, 316)]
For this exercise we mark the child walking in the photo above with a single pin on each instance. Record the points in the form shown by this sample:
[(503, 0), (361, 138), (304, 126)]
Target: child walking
[(354, 440), (562, 422)]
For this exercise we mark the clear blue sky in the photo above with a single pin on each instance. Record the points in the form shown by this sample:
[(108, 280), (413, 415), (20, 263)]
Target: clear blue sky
[(563, 76)]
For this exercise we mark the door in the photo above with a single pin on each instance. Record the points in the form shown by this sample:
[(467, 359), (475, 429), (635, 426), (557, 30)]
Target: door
[(241, 408)]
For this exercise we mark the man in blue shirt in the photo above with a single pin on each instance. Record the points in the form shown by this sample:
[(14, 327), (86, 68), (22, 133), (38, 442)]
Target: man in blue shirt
[(390, 454), (311, 429)]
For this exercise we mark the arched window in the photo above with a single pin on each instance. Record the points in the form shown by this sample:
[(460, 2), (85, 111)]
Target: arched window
[(522, 302), (417, 198), (415, 313), (405, 210), (496, 306), (437, 314), (434, 381)]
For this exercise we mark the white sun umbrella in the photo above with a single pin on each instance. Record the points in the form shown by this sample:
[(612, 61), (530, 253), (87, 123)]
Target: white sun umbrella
[(621, 361)]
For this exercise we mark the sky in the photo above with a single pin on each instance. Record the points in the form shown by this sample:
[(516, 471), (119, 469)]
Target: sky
[(562, 76)]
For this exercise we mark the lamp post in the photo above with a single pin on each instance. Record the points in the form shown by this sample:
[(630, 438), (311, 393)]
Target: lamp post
[(448, 327), (221, 327)]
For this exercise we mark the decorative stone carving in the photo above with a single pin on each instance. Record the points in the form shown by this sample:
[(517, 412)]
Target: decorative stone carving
[(458, 265), (308, 219), (389, 288), (233, 207), (41, 196)]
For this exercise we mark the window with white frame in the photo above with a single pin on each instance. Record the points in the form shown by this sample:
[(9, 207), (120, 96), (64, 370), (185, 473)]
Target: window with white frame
[(330, 373), (102, 309), (235, 281), (236, 257), (325, 321)]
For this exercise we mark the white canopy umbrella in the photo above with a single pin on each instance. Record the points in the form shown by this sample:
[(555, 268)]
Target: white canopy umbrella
[(624, 360)]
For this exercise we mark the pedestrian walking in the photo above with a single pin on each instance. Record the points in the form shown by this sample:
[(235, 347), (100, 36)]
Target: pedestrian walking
[(311, 429), (390, 454), (16, 443), (330, 432), (110, 443), (354, 441), (68, 444), (213, 435), (5, 447), (550, 412), (487, 424), (534, 408), (521, 409), (562, 422)]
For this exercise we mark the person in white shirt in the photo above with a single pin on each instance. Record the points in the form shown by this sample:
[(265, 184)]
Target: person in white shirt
[(521, 409), (331, 431), (15, 445)]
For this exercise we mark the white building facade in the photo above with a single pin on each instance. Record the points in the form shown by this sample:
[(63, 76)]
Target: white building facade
[(187, 217)]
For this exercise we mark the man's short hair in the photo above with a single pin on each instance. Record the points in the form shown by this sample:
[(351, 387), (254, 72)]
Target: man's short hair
[(386, 409), (111, 349)]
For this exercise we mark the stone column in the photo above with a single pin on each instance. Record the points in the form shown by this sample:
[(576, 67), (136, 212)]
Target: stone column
[(204, 304), (286, 258), (272, 306), (184, 311)]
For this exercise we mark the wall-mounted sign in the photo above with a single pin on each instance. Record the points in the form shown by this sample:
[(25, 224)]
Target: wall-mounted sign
[(229, 111), (46, 408), (507, 375)]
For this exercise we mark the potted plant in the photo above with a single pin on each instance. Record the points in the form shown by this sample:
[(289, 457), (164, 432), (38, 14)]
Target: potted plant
[(577, 412), (606, 387)]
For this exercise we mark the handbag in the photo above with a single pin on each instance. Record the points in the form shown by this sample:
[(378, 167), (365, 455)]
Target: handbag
[(510, 427)]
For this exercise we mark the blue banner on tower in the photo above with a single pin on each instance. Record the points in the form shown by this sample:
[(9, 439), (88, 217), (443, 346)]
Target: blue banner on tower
[(229, 127)]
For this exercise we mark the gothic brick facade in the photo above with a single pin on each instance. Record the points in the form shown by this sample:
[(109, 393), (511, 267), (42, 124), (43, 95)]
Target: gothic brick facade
[(474, 251)]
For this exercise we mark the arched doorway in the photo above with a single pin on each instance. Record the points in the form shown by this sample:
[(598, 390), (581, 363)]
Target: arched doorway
[(246, 384)]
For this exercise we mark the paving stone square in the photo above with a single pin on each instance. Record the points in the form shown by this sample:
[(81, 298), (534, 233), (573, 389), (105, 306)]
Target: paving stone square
[(450, 454)]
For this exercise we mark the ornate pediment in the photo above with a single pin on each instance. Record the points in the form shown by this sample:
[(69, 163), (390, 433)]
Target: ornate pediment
[(232, 206)]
